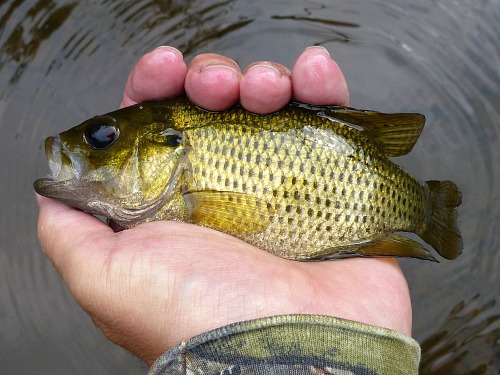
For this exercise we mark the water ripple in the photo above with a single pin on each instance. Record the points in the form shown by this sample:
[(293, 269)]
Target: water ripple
[(468, 342), (20, 41)]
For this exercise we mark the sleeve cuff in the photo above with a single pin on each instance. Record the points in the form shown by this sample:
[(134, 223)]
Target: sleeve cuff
[(294, 344)]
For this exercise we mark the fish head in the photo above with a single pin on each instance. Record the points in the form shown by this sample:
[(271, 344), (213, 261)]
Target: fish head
[(120, 165)]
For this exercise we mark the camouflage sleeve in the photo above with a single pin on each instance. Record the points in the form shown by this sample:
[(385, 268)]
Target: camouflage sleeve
[(293, 344)]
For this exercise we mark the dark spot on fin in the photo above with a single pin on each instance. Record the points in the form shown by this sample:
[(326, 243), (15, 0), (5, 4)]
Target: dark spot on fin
[(442, 228), (395, 133), (231, 212), (389, 246)]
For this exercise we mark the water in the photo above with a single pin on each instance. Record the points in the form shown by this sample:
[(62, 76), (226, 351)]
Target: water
[(64, 61)]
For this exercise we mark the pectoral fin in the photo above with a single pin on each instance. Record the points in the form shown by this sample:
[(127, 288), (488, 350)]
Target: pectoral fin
[(227, 211)]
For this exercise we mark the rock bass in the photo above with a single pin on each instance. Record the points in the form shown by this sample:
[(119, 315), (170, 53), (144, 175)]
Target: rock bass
[(305, 183)]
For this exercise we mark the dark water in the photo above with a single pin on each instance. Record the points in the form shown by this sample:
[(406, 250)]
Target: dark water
[(63, 61)]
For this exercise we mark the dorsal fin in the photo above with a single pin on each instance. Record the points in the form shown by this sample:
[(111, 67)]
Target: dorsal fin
[(395, 133)]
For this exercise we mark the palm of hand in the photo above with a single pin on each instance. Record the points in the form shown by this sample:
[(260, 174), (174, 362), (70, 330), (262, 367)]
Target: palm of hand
[(195, 279)]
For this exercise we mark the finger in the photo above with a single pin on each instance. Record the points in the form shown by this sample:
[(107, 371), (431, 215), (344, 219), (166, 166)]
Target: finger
[(158, 74), (317, 79), (213, 81), (74, 241), (265, 87)]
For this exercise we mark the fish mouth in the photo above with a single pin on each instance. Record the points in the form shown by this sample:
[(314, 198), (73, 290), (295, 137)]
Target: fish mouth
[(61, 171)]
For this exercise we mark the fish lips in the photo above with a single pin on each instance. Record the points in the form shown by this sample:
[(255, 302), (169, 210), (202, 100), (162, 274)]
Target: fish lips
[(64, 182), (61, 172)]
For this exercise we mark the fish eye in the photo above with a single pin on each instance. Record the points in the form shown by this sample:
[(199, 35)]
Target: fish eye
[(101, 132)]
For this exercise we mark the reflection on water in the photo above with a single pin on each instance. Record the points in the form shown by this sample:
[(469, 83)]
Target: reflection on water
[(39, 21), (63, 61), (188, 24), (466, 343), (334, 27)]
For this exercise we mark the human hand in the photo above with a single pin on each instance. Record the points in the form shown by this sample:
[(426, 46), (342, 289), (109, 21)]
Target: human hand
[(158, 284)]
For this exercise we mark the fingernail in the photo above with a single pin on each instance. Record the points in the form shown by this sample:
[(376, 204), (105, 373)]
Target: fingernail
[(169, 49), (167, 52), (318, 48), (262, 65), (217, 65), (280, 71)]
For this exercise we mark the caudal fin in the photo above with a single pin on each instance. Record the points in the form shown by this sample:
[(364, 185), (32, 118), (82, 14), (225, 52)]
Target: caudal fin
[(442, 229)]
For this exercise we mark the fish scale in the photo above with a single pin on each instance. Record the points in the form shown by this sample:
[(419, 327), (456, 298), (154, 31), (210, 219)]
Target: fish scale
[(305, 183), (282, 171)]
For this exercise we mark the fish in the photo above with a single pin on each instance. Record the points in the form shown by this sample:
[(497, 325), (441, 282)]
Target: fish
[(304, 183)]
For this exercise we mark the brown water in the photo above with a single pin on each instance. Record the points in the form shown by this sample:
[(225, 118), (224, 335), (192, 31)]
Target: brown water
[(64, 61)]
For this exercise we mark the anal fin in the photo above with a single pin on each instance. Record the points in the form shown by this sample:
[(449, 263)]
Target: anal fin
[(390, 246)]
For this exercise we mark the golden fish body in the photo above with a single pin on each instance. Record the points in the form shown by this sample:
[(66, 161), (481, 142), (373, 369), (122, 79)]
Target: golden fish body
[(304, 183)]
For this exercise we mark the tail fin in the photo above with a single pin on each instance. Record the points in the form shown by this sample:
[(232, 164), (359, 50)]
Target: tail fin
[(442, 229)]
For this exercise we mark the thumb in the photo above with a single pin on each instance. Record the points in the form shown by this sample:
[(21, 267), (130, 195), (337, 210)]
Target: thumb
[(75, 242)]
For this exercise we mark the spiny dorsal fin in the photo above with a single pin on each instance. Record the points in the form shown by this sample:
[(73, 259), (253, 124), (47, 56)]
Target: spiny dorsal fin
[(228, 211), (395, 133)]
